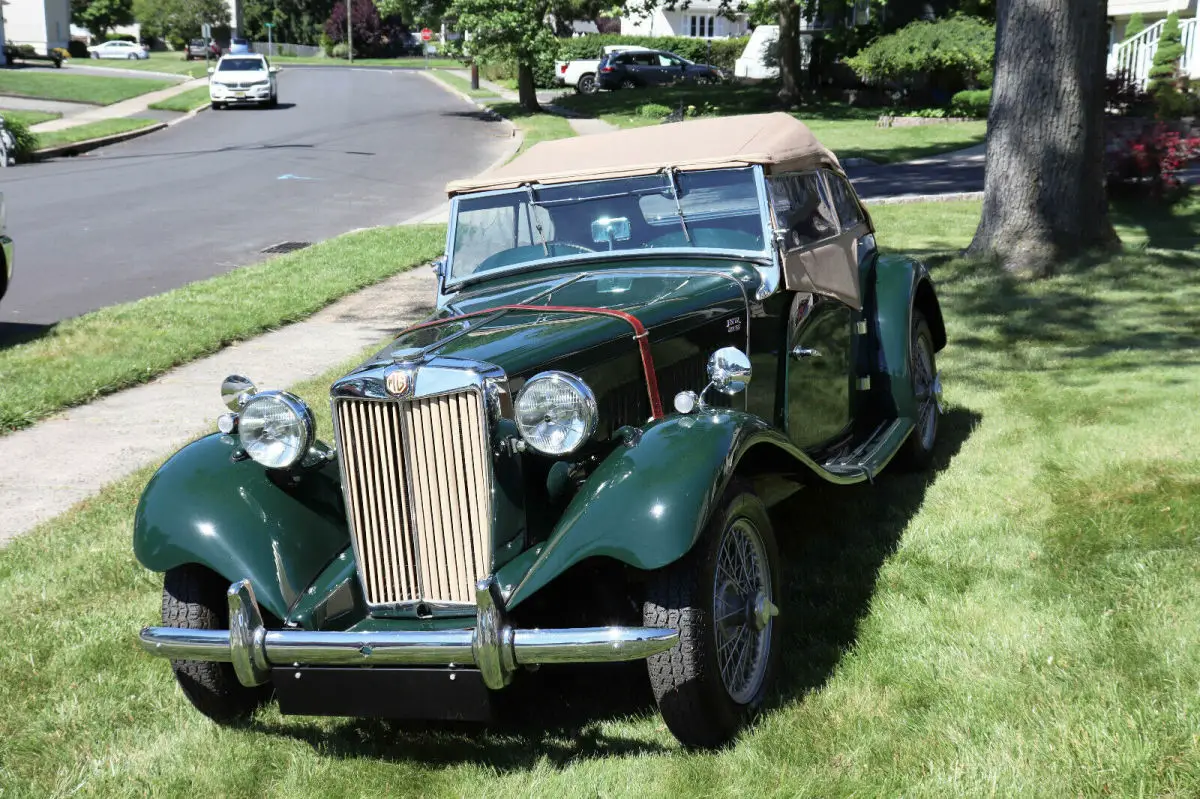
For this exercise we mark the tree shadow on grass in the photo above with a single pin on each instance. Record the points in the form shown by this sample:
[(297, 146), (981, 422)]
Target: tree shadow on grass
[(557, 715)]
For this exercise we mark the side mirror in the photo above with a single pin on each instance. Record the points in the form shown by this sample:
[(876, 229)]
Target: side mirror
[(729, 370), (211, 70), (235, 390), (273, 70)]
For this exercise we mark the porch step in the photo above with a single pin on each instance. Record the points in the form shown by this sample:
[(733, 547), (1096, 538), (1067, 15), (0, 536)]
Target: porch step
[(867, 459)]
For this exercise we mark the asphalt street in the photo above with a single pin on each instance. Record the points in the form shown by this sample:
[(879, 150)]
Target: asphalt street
[(345, 149)]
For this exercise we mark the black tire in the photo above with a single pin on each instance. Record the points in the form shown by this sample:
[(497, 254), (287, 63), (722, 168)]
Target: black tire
[(587, 84), (917, 453), (132, 57), (686, 680), (216, 106), (194, 598), (96, 56), (629, 83)]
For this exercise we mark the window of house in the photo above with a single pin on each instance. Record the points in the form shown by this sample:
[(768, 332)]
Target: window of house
[(701, 26), (801, 209)]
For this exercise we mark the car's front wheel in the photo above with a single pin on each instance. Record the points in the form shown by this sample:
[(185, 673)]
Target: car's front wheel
[(927, 391), (217, 106), (133, 57), (587, 84), (722, 598), (195, 598), (96, 55)]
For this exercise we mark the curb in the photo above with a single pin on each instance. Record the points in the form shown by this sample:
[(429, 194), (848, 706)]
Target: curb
[(91, 144), (923, 198)]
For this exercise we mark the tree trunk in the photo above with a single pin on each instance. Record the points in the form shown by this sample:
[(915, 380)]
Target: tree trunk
[(1044, 170), (789, 52), (526, 89)]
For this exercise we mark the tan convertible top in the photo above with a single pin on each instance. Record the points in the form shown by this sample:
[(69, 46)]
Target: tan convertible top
[(778, 141)]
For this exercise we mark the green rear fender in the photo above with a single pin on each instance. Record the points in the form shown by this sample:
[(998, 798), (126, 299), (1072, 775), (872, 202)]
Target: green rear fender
[(902, 283), (647, 504), (201, 507)]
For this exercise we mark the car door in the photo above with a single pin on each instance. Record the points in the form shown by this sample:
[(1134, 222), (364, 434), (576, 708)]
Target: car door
[(642, 68), (819, 345), (672, 69)]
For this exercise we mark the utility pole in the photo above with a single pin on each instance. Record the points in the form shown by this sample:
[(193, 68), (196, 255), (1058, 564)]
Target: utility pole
[(349, 34)]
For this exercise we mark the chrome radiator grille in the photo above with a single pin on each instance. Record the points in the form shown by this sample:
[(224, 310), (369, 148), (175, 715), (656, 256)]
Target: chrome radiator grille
[(419, 501)]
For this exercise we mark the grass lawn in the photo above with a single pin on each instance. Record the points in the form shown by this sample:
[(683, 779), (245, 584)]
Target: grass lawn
[(28, 117), (91, 130), (76, 88), (187, 101), (1019, 622), (537, 127), (462, 84), (171, 63), (850, 132), (410, 63), (124, 345)]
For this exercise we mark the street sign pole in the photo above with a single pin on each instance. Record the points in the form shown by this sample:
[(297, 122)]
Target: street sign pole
[(270, 39), (349, 34)]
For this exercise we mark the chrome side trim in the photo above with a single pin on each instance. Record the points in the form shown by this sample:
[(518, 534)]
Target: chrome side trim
[(493, 646)]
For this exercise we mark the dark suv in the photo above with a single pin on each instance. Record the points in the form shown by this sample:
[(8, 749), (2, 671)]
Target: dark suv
[(630, 70)]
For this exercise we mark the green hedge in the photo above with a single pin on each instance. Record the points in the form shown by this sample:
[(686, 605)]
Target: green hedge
[(971, 103), (26, 141)]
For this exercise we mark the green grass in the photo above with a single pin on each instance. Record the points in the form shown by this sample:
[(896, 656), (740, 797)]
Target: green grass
[(76, 88), (28, 117), (91, 130), (537, 127), (1019, 622), (124, 345), (187, 101), (411, 63), (171, 63), (850, 132), (462, 84)]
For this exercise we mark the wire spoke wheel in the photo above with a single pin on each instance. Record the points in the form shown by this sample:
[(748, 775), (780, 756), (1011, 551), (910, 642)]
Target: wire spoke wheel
[(742, 610), (926, 389)]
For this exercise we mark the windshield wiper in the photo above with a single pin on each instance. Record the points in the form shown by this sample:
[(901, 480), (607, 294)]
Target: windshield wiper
[(678, 205), (533, 205)]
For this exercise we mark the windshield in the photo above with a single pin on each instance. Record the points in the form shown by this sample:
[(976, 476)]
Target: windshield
[(715, 209), (242, 65)]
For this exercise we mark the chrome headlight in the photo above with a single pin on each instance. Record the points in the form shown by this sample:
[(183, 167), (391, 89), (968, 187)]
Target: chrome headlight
[(276, 429), (556, 413)]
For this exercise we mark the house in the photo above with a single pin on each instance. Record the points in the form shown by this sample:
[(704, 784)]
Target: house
[(702, 20), (45, 24), (1133, 55)]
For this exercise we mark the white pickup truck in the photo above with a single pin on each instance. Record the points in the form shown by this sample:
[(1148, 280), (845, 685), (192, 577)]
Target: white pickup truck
[(581, 73)]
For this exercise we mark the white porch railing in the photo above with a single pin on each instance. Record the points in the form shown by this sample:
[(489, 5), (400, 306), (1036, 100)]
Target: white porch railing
[(1135, 55)]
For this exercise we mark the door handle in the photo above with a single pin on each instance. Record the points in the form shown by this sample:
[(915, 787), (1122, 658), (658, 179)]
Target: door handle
[(800, 353)]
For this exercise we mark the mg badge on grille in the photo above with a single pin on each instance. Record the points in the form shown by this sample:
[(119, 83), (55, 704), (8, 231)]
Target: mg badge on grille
[(398, 382)]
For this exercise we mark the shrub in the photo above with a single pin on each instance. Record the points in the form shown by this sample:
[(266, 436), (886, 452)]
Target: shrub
[(26, 141), (653, 111), (1123, 96), (1136, 25), (925, 113), (77, 49), (959, 47), (971, 103), (1148, 163), (340, 50), (61, 53), (121, 37), (326, 44), (718, 52)]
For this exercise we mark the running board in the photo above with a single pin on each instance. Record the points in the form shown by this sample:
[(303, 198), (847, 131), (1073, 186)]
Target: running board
[(868, 458)]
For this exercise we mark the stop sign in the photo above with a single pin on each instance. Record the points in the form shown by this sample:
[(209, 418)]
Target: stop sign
[(426, 34)]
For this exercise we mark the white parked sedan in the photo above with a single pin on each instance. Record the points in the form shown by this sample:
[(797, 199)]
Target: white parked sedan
[(116, 49), (242, 79)]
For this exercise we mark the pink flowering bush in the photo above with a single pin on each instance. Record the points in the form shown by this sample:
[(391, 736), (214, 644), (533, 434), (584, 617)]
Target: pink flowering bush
[(1149, 163)]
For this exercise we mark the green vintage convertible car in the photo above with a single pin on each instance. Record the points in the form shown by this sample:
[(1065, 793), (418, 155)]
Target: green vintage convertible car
[(569, 462)]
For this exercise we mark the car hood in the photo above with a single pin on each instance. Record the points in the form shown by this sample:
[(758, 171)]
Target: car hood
[(661, 298)]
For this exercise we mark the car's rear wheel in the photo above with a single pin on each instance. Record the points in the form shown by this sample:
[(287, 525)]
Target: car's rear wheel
[(927, 390), (586, 84), (194, 598), (629, 83), (722, 598), (133, 57)]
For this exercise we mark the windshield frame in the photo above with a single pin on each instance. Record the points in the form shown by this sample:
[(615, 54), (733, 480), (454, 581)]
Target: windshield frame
[(766, 255)]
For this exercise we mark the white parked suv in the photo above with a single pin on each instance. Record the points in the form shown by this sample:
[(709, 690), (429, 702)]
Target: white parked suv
[(581, 73), (242, 79)]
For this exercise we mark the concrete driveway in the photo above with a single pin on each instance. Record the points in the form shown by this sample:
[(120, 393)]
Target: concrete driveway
[(345, 149)]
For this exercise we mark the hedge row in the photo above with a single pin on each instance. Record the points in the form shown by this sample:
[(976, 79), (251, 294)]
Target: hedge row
[(971, 103)]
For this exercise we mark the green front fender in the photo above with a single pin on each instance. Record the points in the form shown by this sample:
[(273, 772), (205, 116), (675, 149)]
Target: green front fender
[(647, 504), (902, 283), (202, 507)]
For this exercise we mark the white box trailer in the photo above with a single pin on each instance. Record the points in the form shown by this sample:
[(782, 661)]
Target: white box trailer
[(751, 65)]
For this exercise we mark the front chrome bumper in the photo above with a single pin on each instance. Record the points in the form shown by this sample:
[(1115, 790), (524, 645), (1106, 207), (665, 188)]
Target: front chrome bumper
[(493, 646)]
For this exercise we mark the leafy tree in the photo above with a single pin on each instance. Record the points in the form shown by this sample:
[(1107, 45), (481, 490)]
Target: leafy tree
[(179, 20), (366, 23), (101, 16), (1166, 56), (1136, 24), (1043, 194), (509, 30), (296, 21)]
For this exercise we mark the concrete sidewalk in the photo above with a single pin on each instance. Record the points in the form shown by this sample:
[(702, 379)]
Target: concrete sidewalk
[(125, 108), (49, 467)]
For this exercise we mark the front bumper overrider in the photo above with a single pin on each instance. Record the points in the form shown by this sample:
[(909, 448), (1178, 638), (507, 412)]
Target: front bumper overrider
[(493, 646)]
